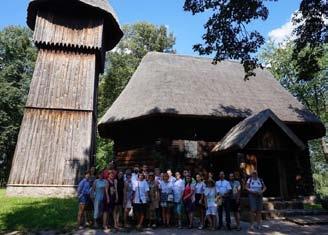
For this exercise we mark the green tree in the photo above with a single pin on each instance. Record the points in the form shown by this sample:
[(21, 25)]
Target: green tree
[(228, 37), (139, 39), (313, 94), (17, 57)]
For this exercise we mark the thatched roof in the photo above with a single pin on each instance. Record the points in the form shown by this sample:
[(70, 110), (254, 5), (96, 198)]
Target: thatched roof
[(112, 26), (174, 85), (241, 134)]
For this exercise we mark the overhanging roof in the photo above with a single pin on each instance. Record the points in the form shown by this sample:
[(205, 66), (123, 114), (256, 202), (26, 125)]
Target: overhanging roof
[(100, 7), (241, 134), (187, 88)]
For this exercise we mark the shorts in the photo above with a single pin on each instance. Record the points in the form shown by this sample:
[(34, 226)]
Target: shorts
[(211, 210), (140, 208), (84, 199), (178, 207), (234, 205), (167, 204), (255, 202), (128, 204), (198, 196)]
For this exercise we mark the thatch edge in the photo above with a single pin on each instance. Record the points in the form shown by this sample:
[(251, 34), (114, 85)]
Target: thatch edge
[(262, 116)]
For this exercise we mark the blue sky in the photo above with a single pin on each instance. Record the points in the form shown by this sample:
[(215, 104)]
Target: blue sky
[(187, 28)]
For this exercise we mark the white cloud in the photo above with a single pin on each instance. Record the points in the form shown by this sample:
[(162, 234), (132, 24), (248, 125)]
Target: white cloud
[(282, 33)]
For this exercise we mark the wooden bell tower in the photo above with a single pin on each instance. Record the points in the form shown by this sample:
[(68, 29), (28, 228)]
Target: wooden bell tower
[(56, 143)]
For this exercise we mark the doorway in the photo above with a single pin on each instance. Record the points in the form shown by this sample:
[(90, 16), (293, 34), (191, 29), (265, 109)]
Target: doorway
[(268, 170)]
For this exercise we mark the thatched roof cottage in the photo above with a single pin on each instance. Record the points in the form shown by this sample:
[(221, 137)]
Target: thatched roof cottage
[(172, 97)]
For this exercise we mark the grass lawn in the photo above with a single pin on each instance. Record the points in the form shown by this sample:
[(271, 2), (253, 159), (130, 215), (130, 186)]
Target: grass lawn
[(313, 207), (30, 214)]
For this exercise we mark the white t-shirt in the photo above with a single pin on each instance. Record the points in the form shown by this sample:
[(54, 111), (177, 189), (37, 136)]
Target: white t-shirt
[(172, 179), (178, 188), (255, 185), (222, 187), (210, 194), (134, 177), (158, 179), (141, 189), (200, 187), (166, 187), (236, 187)]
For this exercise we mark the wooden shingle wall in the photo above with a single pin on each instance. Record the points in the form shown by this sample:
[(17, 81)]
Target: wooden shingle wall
[(53, 147), (56, 143), (63, 80), (61, 30)]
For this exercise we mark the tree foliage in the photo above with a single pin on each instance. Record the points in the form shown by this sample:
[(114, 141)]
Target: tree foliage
[(313, 94), (17, 57), (311, 34), (228, 37), (139, 39)]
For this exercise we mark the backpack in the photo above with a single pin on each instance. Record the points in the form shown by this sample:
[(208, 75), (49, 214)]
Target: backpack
[(261, 181)]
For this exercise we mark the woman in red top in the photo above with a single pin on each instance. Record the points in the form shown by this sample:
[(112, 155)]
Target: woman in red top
[(189, 199)]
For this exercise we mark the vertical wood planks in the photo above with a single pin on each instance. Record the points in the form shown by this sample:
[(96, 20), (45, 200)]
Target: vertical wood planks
[(68, 31), (63, 80), (53, 147)]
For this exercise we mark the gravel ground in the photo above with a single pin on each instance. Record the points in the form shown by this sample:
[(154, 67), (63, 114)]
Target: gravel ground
[(273, 227)]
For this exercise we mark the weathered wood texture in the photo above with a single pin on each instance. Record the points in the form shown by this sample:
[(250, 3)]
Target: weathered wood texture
[(53, 147), (56, 143), (68, 31), (63, 80)]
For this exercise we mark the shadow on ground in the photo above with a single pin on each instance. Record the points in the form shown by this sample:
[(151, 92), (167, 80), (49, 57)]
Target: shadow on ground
[(34, 214)]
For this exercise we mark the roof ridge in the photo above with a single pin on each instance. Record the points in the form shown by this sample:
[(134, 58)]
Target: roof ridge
[(191, 56)]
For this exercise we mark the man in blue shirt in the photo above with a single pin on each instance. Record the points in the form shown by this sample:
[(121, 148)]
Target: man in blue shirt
[(223, 189)]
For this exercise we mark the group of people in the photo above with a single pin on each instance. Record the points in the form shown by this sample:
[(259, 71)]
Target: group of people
[(157, 198)]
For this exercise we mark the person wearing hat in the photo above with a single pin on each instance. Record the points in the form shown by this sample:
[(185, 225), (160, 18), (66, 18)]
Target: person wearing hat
[(255, 187)]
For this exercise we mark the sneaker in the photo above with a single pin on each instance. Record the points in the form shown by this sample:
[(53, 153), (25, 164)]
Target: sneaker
[(154, 226), (238, 228), (251, 228), (201, 227), (139, 228)]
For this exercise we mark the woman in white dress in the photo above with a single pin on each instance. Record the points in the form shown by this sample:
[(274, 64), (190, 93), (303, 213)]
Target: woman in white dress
[(210, 203)]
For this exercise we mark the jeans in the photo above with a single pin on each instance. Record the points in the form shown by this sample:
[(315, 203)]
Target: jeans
[(226, 206)]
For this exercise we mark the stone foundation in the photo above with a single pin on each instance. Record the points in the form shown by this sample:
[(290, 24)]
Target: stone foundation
[(60, 191)]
